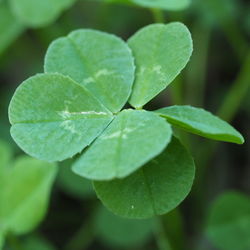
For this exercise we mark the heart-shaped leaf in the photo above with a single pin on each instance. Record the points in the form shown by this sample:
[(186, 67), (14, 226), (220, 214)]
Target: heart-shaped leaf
[(101, 62), (163, 4), (131, 140), (161, 52), (24, 194), (36, 13), (155, 189), (201, 122), (53, 117), (228, 223)]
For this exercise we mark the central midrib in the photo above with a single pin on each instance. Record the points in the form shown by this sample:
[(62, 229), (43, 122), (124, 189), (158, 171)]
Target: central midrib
[(63, 120), (119, 146), (89, 72)]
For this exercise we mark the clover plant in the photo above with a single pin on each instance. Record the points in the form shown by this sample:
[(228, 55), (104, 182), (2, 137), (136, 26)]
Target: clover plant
[(75, 108), (24, 195)]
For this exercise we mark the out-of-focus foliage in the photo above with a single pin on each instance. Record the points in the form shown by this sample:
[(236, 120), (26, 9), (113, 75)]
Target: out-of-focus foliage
[(25, 189), (161, 4), (228, 223), (35, 13), (164, 4), (36, 242), (74, 184), (215, 12), (10, 27), (119, 232)]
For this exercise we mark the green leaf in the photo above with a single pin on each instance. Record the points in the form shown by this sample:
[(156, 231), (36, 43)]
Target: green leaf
[(101, 62), (37, 13), (53, 117), (155, 189), (201, 122), (122, 233), (163, 4), (9, 26), (228, 223), (74, 184), (25, 194), (161, 52), (131, 140)]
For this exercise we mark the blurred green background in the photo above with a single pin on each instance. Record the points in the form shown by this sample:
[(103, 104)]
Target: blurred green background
[(217, 78)]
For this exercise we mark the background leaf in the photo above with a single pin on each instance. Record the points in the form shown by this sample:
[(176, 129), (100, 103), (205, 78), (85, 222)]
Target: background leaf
[(155, 189), (53, 117), (72, 183), (164, 4), (119, 232), (36, 242), (131, 140), (101, 62), (36, 13), (201, 122), (228, 223), (161, 52), (31, 179), (10, 28)]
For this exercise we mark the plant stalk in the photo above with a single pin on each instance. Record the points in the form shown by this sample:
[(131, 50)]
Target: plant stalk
[(160, 235), (158, 15), (237, 92)]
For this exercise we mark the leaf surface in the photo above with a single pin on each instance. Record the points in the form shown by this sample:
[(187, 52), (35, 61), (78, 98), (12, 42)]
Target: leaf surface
[(53, 117), (131, 140), (25, 194), (161, 52), (228, 224), (101, 62), (155, 189), (201, 122)]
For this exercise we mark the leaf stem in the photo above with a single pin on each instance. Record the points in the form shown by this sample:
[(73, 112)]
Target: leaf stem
[(160, 235), (158, 15), (84, 236), (197, 67), (237, 92)]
